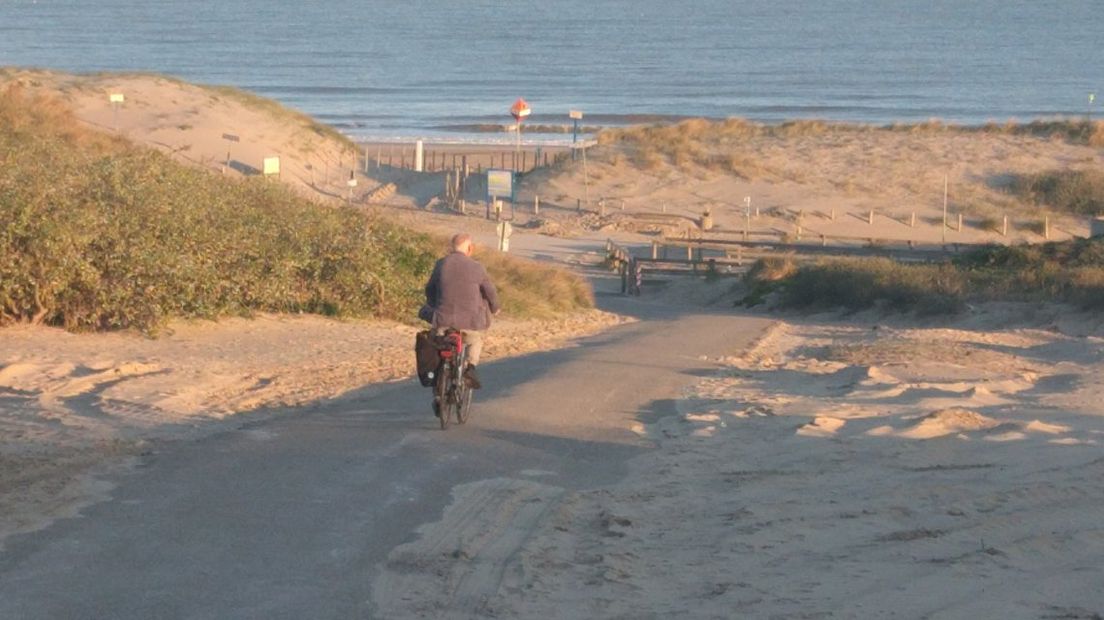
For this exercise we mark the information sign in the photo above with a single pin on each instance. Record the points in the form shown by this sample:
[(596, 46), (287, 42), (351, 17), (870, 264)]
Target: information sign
[(500, 184)]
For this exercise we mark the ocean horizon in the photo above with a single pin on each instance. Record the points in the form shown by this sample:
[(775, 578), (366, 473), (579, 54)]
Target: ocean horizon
[(423, 69)]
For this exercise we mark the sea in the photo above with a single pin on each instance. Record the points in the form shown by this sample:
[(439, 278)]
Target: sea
[(450, 70)]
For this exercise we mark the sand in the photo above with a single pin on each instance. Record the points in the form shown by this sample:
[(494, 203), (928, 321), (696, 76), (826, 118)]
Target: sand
[(838, 469)]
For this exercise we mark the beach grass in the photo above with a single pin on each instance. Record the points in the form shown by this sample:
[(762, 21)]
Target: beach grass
[(1069, 191), (278, 110), (722, 145), (1068, 271)]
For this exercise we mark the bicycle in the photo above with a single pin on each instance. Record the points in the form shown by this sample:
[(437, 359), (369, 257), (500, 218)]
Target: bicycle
[(451, 394)]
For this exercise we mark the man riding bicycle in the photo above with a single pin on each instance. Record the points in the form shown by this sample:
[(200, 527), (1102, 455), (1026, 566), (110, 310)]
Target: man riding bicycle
[(463, 298)]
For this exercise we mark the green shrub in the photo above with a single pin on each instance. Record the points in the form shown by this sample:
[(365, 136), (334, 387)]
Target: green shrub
[(530, 290), (100, 234), (1070, 191), (1068, 271), (857, 284)]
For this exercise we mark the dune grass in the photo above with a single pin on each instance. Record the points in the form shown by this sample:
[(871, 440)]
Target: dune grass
[(277, 110), (1069, 271), (101, 234), (716, 145), (1070, 191), (530, 290)]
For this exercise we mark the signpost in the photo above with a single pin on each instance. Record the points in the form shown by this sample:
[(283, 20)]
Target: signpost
[(115, 99), (352, 183), (231, 139), (520, 111), (576, 116)]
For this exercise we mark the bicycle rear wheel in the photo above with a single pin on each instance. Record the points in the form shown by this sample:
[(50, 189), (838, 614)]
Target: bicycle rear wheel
[(441, 390), (463, 406)]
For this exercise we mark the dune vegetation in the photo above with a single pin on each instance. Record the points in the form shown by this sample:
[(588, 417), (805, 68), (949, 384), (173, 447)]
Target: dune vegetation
[(722, 145), (102, 234), (1069, 191), (1068, 271)]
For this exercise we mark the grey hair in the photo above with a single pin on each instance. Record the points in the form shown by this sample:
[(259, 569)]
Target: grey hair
[(459, 239)]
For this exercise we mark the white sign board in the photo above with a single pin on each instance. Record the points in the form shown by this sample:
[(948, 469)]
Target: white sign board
[(116, 98), (575, 114), (271, 165)]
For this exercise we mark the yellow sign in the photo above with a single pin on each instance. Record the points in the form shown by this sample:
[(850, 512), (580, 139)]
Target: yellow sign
[(271, 165), (116, 98)]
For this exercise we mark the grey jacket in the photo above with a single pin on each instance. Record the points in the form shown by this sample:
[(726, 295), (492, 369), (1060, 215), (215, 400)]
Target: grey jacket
[(461, 294)]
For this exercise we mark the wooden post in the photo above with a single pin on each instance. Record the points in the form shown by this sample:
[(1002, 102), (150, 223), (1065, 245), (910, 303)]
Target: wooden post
[(870, 218), (912, 220), (1046, 227), (833, 216), (536, 205), (655, 249), (1004, 226), (689, 252), (959, 222), (578, 205)]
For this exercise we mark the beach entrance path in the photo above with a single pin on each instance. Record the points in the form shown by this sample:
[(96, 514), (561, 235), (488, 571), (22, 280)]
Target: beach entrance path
[(350, 507)]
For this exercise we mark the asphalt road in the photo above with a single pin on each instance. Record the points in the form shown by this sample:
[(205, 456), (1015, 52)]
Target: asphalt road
[(292, 517)]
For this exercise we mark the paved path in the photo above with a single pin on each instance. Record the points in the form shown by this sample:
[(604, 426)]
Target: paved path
[(294, 517)]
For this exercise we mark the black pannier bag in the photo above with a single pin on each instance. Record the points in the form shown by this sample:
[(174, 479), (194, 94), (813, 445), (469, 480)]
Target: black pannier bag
[(427, 356)]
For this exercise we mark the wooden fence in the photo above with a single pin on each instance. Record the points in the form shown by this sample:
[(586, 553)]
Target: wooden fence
[(440, 160)]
